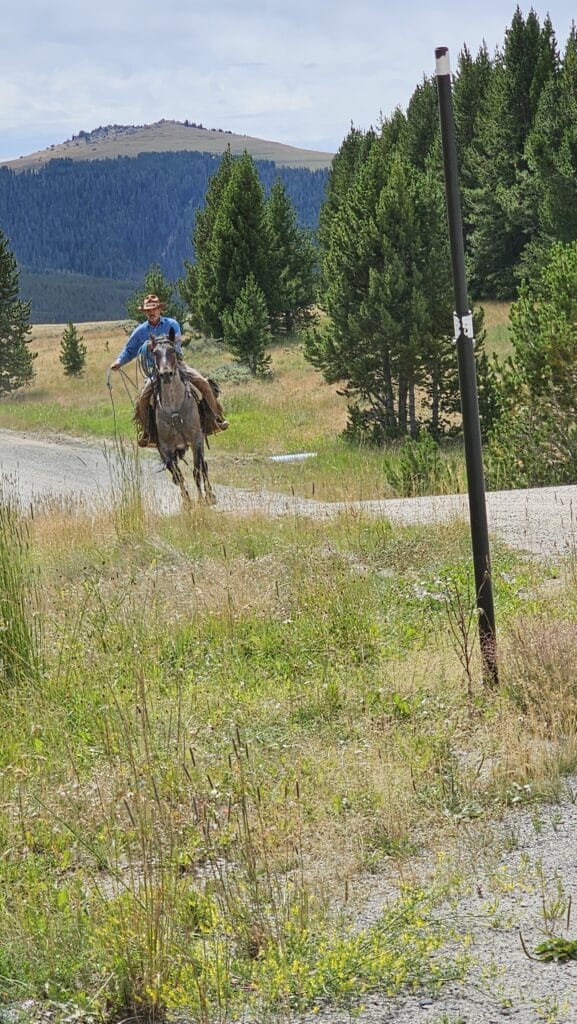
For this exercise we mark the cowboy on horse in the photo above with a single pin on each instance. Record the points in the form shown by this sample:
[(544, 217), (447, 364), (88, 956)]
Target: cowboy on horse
[(156, 325)]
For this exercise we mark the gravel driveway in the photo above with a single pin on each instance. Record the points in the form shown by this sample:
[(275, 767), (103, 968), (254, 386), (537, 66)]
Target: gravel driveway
[(536, 850), (540, 520)]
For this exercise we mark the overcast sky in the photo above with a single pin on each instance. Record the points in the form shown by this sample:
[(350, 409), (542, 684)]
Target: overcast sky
[(295, 71)]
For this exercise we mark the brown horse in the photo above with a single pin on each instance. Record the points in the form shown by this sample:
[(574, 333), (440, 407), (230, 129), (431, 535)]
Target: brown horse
[(178, 422)]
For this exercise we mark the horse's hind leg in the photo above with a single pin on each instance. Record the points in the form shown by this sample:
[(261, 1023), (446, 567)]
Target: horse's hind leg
[(210, 496), (200, 473)]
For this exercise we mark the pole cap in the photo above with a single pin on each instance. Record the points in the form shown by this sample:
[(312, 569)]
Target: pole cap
[(442, 63)]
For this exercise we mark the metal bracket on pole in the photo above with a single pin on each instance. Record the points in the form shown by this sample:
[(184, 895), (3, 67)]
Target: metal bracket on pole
[(463, 326)]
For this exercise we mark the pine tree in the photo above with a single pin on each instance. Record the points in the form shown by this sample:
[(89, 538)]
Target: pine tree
[(238, 234), (197, 286), (72, 351), (291, 264), (238, 247), (352, 155), (350, 249), (544, 330), (16, 359), (469, 98), (422, 132), (552, 153), (534, 441), (469, 94), (206, 217), (503, 218), (245, 328), (439, 377), (388, 297)]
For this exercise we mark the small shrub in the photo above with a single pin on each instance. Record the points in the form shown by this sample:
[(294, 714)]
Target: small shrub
[(534, 445), (418, 467)]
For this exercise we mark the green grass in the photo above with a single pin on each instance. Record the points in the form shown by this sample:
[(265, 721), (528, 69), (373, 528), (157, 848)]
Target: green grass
[(498, 341), (50, 417), (497, 328)]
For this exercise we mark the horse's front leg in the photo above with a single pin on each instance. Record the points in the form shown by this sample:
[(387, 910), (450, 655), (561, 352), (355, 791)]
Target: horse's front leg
[(170, 460)]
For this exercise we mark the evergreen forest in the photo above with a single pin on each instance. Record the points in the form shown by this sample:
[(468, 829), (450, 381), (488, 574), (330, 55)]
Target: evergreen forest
[(383, 241), (57, 298), (515, 118), (112, 219)]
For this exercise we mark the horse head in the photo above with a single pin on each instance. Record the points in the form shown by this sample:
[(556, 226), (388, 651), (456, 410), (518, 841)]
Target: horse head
[(165, 357)]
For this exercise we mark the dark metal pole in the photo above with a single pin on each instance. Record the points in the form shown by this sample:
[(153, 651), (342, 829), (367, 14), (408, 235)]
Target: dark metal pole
[(464, 338)]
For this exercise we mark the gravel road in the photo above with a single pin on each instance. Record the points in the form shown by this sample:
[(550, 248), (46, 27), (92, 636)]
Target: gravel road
[(541, 520), (520, 866), (536, 850)]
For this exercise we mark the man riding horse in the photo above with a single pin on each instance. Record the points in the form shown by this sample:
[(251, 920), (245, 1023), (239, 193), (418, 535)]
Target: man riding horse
[(157, 325)]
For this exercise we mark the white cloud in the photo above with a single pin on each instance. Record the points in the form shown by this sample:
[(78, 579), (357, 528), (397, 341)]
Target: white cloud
[(298, 72)]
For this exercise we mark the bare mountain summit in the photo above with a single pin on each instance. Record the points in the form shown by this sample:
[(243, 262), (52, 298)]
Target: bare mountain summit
[(168, 136)]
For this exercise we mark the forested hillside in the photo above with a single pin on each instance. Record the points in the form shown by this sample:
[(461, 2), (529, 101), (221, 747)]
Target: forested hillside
[(114, 218), (58, 298)]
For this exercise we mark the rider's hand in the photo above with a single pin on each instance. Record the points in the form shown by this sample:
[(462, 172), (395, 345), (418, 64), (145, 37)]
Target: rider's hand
[(115, 365)]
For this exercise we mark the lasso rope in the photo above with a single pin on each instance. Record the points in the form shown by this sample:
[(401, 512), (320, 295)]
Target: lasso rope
[(126, 379)]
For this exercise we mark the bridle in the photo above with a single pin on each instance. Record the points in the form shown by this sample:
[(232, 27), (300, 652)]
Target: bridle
[(174, 417)]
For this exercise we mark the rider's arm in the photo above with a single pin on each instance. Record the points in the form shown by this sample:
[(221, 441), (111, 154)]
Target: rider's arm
[(130, 350)]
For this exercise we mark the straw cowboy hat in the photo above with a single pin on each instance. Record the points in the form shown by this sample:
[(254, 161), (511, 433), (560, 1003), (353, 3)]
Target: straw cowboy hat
[(151, 302)]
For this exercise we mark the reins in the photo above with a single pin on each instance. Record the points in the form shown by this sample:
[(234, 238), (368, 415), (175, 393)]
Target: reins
[(175, 417)]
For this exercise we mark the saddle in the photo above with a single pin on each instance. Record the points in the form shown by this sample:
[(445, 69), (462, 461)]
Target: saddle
[(207, 419)]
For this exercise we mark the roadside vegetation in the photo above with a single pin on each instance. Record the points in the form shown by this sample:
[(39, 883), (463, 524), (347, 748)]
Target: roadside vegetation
[(208, 750)]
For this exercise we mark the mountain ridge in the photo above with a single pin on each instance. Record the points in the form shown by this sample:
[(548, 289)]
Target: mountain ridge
[(112, 141)]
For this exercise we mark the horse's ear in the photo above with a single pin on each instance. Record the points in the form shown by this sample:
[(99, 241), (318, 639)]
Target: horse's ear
[(171, 335), (151, 341)]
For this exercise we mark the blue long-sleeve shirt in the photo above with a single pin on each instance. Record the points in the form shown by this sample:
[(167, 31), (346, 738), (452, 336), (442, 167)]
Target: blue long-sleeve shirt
[(141, 336)]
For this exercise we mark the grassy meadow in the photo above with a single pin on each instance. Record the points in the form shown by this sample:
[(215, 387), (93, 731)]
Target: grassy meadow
[(293, 411), (169, 136), (217, 732)]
